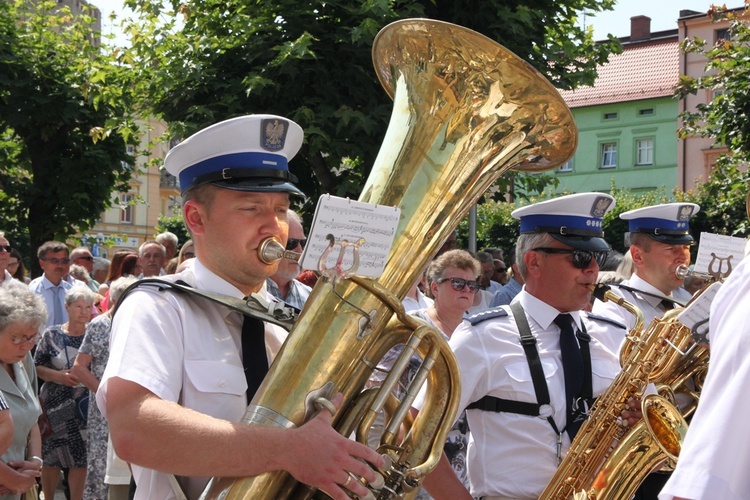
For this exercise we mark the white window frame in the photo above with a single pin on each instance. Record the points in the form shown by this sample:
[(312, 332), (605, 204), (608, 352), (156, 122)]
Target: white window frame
[(608, 154), (644, 151), (126, 208), (566, 167)]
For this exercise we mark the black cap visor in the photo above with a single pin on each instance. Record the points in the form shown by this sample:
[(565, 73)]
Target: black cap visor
[(591, 243), (260, 185)]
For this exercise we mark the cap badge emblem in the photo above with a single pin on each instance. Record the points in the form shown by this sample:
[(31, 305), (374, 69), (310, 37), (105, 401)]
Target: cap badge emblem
[(600, 205), (273, 134), (686, 211)]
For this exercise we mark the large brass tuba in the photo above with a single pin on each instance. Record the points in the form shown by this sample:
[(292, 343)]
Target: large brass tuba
[(465, 111)]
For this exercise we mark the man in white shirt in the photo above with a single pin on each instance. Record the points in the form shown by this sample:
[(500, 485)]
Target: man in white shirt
[(513, 451), (152, 258), (660, 242), (52, 285), (180, 369)]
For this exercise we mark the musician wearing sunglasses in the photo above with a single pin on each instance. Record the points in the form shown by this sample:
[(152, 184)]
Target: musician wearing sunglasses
[(52, 286), (182, 369), (530, 370), (284, 284)]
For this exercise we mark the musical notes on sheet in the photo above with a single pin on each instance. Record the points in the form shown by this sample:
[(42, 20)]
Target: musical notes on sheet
[(718, 254), (351, 220)]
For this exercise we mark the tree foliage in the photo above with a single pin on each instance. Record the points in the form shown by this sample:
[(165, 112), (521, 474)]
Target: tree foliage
[(727, 75), (208, 60), (64, 108)]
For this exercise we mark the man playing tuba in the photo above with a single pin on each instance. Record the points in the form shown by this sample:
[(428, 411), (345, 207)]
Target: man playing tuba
[(182, 369)]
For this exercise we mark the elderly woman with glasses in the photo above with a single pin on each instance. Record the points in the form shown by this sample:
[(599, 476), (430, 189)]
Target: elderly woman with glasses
[(22, 315), (65, 398)]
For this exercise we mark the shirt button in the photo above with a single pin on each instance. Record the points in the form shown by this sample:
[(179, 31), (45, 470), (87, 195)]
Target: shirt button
[(222, 384)]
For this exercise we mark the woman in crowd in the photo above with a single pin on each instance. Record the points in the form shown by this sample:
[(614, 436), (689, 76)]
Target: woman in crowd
[(186, 252), (22, 315), (452, 280), (16, 267), (129, 265), (65, 398), (115, 269), (89, 368)]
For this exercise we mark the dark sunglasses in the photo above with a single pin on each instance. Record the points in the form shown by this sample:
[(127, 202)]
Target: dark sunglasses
[(459, 284), (87, 257), (55, 261), (581, 258), (7, 248), (292, 243)]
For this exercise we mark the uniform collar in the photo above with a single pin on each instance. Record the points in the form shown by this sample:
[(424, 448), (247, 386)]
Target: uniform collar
[(543, 313), (639, 283)]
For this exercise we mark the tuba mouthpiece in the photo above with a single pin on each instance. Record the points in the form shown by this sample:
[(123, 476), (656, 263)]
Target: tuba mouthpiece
[(271, 250)]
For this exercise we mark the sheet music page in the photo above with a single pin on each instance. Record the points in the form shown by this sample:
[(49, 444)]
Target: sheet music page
[(351, 220), (700, 309), (717, 252)]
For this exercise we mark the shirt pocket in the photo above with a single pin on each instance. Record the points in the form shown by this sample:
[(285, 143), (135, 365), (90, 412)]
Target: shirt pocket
[(603, 373), (521, 382), (214, 377)]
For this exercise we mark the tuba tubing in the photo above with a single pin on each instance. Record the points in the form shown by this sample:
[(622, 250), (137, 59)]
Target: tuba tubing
[(465, 111)]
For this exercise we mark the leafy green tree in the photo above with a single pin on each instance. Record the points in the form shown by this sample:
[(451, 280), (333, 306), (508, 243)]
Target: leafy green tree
[(727, 117), (174, 225), (311, 61), (64, 123)]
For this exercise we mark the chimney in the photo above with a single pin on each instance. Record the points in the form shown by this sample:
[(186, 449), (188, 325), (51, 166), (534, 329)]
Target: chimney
[(640, 28)]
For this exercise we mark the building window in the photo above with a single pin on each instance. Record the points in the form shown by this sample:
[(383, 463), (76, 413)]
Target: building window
[(126, 208), (644, 152), (610, 116), (646, 112), (609, 155), (567, 166), (722, 35)]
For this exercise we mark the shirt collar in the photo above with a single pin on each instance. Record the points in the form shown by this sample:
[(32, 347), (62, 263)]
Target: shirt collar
[(206, 279), (543, 313), (639, 283)]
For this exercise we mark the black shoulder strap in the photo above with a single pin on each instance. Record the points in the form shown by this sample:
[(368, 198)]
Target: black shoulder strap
[(255, 305), (658, 296), (539, 409)]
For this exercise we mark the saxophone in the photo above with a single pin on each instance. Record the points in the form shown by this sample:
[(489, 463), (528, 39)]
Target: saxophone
[(607, 459)]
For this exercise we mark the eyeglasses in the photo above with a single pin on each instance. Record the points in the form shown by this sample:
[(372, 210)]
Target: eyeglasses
[(581, 258), (56, 261), (87, 257), (7, 248), (292, 243), (13, 264), (188, 255), (459, 284), (25, 340)]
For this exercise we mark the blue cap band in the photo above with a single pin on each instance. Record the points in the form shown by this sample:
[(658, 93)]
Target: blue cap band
[(650, 224), (247, 161), (530, 223)]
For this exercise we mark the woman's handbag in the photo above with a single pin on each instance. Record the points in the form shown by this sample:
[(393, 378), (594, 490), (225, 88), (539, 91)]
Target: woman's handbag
[(45, 428)]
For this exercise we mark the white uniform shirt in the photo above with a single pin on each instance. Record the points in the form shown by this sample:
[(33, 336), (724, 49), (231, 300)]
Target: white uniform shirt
[(183, 349), (650, 307), (715, 456), (515, 455)]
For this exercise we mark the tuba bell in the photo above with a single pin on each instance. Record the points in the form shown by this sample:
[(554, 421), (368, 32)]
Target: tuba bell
[(465, 111)]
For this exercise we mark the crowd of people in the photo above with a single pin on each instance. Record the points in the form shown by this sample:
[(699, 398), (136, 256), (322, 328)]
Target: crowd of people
[(122, 403)]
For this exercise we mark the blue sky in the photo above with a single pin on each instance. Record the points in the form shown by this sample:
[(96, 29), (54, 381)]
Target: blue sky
[(663, 14)]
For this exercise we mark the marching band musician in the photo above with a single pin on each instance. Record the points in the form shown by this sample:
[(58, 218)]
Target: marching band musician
[(715, 454), (660, 241), (530, 370), (182, 369)]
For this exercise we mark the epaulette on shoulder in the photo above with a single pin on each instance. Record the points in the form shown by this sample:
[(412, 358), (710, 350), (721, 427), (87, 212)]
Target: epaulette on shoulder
[(606, 320), (495, 312)]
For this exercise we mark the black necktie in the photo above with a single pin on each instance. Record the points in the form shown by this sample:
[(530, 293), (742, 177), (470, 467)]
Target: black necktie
[(667, 304), (573, 371), (254, 358)]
